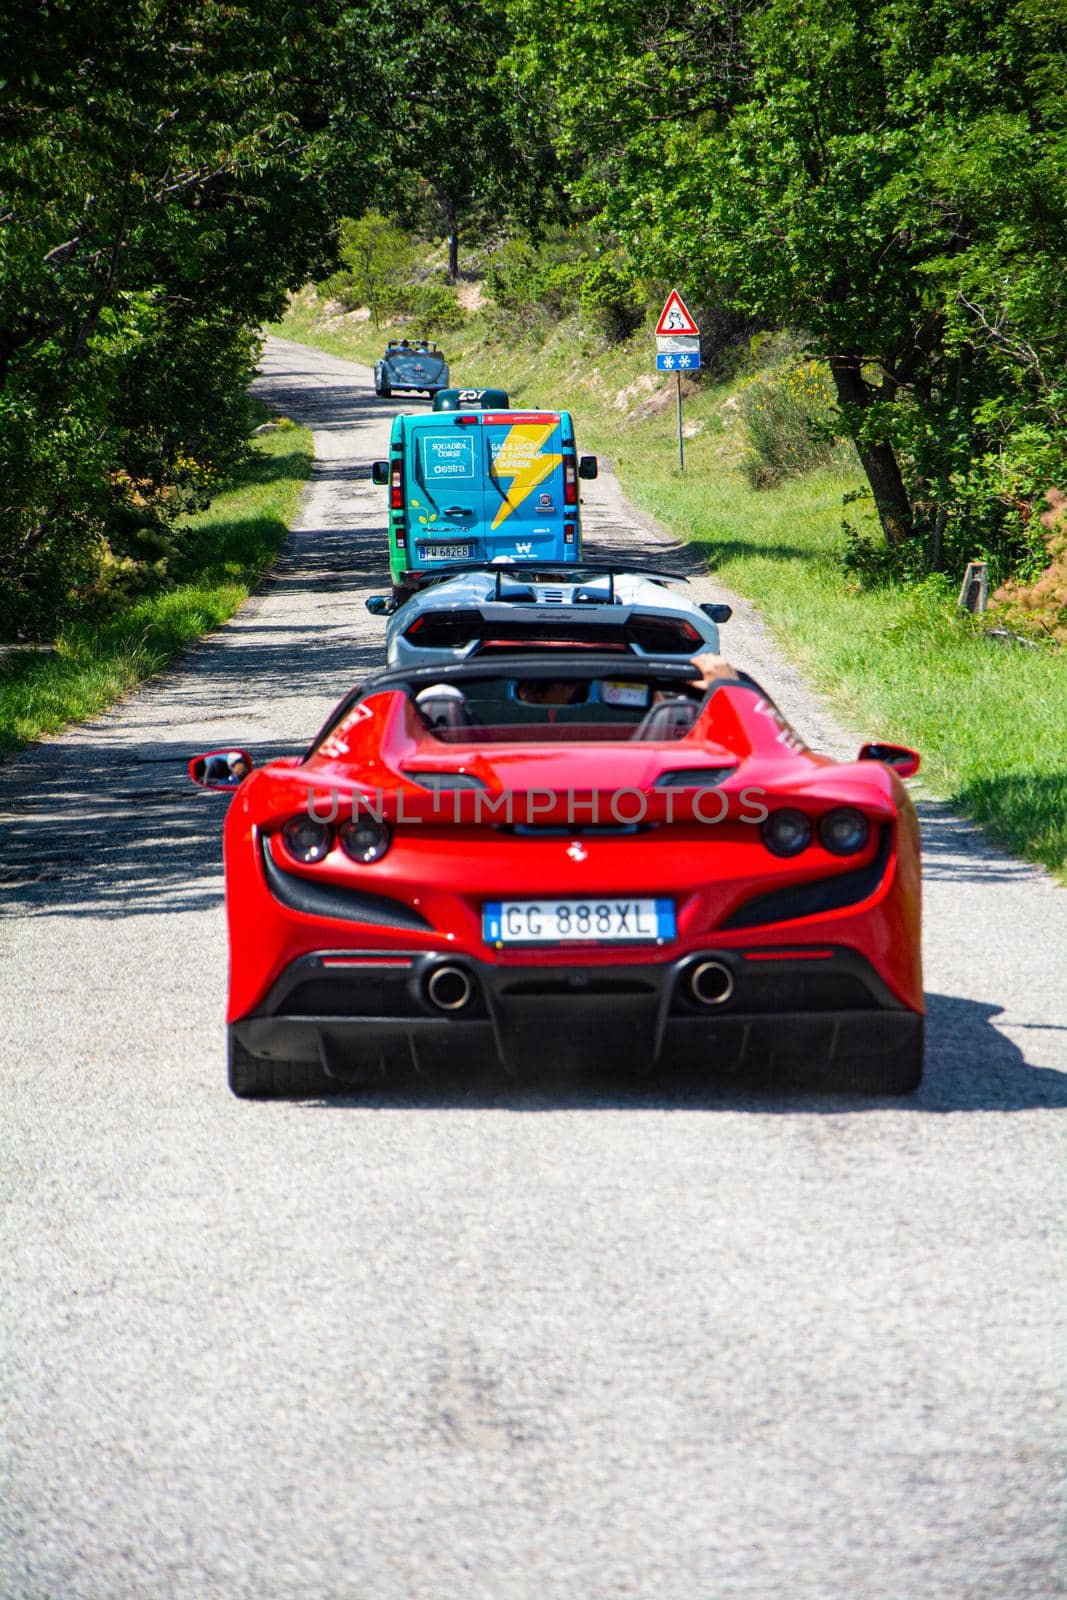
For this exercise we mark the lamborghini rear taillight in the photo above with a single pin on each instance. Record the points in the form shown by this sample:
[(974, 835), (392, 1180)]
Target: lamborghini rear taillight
[(447, 630), (665, 635)]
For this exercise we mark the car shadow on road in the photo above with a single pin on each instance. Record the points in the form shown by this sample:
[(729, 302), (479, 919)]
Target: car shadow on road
[(113, 827), (970, 1066), (953, 850), (326, 409), (611, 547), (112, 830)]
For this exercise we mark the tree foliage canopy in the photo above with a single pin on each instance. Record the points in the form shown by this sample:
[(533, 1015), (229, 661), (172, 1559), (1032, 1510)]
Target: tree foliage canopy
[(889, 176), (886, 177), (461, 136), (167, 170)]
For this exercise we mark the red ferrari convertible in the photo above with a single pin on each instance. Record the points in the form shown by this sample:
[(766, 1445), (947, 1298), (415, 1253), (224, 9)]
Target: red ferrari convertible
[(570, 859)]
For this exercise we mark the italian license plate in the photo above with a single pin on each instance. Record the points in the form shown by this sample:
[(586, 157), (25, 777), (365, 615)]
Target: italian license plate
[(577, 921), (447, 552)]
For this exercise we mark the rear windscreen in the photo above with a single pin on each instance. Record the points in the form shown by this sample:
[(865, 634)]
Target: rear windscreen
[(531, 710), (450, 630)]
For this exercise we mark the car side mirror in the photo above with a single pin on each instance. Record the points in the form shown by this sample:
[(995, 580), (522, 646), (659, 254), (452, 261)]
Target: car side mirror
[(220, 769), (379, 472), (717, 610), (904, 761), (380, 605), (587, 467)]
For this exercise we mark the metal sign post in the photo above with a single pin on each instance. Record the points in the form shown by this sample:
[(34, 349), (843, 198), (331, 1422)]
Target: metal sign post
[(677, 351), (681, 446)]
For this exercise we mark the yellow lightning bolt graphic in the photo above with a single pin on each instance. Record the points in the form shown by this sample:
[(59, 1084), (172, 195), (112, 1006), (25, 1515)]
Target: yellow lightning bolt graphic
[(519, 459)]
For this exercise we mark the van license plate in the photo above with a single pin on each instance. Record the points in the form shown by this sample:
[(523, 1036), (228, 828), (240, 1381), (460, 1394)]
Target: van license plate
[(446, 552)]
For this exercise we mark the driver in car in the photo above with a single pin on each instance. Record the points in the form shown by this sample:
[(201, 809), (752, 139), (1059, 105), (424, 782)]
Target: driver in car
[(226, 768), (710, 669), (538, 692), (440, 698)]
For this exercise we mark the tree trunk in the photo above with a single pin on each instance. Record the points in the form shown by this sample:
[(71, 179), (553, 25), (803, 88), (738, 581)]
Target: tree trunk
[(453, 241), (878, 459)]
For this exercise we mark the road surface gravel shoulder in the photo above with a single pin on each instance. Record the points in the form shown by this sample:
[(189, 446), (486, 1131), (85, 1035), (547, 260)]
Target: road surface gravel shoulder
[(472, 1340)]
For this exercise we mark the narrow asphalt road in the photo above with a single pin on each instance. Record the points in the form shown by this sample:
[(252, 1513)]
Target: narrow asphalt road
[(468, 1341)]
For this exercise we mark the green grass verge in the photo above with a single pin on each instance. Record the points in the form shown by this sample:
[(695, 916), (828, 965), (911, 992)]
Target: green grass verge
[(902, 664), (236, 540)]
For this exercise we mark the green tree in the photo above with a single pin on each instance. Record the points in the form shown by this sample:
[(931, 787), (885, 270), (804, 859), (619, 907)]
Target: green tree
[(376, 256), (886, 175), (167, 170), (460, 140)]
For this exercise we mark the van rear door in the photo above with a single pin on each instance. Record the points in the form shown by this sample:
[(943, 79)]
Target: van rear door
[(525, 497), (444, 483)]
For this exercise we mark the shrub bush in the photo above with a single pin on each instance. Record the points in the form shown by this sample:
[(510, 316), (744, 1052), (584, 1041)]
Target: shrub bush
[(1039, 609), (433, 304), (377, 256), (727, 337), (789, 422), (95, 479), (608, 300), (532, 285), (510, 275)]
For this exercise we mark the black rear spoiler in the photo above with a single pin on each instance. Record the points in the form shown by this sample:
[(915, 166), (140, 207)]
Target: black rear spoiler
[(575, 571)]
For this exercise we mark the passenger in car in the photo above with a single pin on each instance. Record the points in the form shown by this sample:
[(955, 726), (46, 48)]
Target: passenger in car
[(445, 707)]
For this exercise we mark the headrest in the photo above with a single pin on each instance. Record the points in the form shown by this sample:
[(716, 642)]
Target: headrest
[(671, 719)]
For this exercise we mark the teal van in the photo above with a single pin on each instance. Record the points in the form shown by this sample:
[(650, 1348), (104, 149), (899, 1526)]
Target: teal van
[(473, 482)]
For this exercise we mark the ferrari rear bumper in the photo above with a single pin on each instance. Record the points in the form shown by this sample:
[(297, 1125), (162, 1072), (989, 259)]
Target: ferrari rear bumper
[(820, 1019)]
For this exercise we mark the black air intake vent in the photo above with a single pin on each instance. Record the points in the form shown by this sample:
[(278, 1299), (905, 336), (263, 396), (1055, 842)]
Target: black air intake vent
[(441, 782), (334, 900), (808, 899)]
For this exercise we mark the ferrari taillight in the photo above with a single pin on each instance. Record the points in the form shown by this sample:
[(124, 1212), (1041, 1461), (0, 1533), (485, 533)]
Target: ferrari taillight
[(570, 481), (396, 484), (786, 832), (844, 832), (307, 840), (364, 840)]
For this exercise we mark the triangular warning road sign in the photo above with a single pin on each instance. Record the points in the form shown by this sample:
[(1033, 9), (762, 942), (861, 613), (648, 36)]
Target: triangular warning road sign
[(675, 318)]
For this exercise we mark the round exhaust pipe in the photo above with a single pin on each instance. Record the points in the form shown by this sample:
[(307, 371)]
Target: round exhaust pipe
[(711, 983), (449, 988)]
